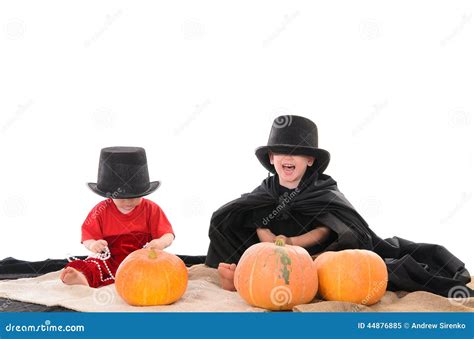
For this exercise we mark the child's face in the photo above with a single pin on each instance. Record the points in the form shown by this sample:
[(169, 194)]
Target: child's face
[(127, 205), (290, 168)]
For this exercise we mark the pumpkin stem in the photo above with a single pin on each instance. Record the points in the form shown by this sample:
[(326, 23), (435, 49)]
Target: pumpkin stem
[(152, 254), (280, 242)]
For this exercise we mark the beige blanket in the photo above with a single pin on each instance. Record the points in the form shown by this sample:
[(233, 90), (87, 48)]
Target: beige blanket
[(204, 295)]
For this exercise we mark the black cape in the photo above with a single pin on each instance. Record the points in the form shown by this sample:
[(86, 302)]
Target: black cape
[(411, 266)]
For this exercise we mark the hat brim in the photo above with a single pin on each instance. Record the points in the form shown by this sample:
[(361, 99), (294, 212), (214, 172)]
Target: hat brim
[(117, 195), (321, 155)]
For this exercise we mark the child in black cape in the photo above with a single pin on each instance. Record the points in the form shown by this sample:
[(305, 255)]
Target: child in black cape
[(305, 207)]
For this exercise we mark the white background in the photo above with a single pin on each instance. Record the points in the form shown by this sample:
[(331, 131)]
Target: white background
[(198, 83)]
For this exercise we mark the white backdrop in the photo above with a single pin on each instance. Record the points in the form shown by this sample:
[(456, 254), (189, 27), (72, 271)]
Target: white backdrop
[(198, 84)]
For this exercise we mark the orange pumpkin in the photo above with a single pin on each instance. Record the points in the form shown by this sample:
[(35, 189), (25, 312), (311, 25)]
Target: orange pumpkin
[(276, 276), (357, 276), (150, 277)]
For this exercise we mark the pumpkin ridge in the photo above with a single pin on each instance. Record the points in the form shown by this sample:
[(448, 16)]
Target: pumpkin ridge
[(251, 275), (145, 293), (339, 282), (302, 293), (370, 280), (277, 276), (168, 281)]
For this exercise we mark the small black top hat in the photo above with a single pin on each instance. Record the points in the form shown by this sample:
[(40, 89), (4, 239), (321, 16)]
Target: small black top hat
[(123, 174), (292, 134)]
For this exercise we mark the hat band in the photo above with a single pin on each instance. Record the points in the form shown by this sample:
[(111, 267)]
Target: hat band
[(125, 189)]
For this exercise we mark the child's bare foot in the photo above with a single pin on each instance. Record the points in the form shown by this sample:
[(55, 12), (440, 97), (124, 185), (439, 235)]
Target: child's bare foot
[(226, 273), (70, 276)]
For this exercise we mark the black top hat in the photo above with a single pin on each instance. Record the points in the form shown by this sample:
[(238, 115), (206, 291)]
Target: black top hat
[(123, 174), (292, 134)]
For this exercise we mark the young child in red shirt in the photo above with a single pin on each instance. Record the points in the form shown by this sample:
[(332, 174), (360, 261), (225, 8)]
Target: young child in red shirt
[(122, 223)]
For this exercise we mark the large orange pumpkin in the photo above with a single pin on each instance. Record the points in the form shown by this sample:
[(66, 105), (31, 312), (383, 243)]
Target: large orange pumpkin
[(276, 276), (150, 277), (357, 276)]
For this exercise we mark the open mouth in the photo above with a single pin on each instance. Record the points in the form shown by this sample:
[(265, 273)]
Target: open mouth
[(288, 168)]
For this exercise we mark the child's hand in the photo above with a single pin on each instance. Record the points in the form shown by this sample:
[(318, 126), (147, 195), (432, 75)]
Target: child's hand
[(98, 246), (157, 244), (161, 243)]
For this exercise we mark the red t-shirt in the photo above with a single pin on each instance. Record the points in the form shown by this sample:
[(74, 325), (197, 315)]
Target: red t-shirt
[(106, 220)]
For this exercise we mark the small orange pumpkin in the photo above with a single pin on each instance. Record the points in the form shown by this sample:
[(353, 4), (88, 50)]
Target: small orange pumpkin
[(357, 276), (150, 277), (276, 276)]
